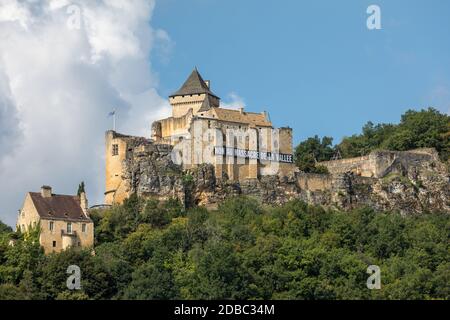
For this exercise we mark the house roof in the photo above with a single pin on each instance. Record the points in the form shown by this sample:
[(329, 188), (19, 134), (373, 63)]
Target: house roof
[(59, 207), (207, 104), (251, 118), (194, 85)]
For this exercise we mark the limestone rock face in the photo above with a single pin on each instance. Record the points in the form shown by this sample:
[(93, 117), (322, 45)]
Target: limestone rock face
[(407, 186), (151, 173)]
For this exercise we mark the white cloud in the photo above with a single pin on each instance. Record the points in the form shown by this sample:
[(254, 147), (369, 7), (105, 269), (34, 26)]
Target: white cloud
[(58, 84), (233, 101)]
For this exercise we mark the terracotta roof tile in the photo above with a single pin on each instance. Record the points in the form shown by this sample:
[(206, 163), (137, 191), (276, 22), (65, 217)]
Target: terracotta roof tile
[(256, 119)]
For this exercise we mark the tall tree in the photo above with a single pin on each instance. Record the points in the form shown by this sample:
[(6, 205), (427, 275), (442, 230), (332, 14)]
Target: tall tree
[(311, 151), (81, 188)]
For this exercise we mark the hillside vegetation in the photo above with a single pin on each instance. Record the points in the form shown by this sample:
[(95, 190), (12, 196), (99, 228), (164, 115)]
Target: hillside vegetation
[(417, 129), (147, 249)]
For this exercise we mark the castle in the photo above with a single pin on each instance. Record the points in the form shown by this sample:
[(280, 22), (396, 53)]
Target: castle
[(241, 145), (204, 154)]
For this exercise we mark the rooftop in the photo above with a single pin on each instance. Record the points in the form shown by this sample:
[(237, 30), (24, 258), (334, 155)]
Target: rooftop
[(56, 206), (194, 85), (240, 116)]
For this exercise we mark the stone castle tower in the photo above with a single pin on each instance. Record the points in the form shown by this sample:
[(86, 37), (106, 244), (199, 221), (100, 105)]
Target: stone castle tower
[(240, 145)]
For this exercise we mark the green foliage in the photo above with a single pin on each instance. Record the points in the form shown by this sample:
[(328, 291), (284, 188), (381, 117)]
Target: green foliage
[(311, 151), (4, 229), (81, 188), (417, 129), (242, 250), (96, 282), (152, 281)]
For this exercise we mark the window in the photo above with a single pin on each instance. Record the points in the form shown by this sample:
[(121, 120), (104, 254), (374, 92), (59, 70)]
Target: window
[(51, 225), (115, 149), (69, 227), (83, 227), (54, 244)]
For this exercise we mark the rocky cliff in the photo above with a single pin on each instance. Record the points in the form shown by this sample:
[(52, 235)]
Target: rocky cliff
[(409, 186)]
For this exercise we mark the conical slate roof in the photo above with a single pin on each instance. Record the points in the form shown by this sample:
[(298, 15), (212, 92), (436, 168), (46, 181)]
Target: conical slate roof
[(193, 85), (207, 104)]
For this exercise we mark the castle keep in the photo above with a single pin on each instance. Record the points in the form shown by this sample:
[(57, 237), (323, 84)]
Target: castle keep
[(240, 145), (204, 154)]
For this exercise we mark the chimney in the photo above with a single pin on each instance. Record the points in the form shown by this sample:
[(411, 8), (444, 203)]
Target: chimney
[(84, 203), (241, 110), (208, 83), (46, 191), (264, 113)]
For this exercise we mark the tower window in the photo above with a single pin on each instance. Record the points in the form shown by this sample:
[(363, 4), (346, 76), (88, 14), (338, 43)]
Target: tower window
[(69, 227), (83, 227), (54, 244), (115, 149), (51, 225)]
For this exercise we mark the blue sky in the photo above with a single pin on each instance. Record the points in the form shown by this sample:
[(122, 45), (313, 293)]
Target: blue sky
[(313, 65)]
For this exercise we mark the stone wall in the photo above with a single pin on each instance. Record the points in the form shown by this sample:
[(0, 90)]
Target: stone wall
[(380, 163), (314, 182), (412, 182)]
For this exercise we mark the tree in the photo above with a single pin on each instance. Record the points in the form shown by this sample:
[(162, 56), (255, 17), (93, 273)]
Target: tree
[(154, 214), (417, 129), (4, 229), (242, 250), (217, 273), (96, 282), (152, 281), (81, 188), (311, 151)]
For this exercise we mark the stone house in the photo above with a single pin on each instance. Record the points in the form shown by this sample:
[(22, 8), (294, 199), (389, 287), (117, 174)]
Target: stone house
[(63, 219)]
